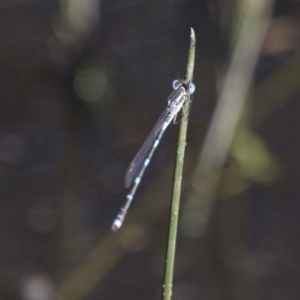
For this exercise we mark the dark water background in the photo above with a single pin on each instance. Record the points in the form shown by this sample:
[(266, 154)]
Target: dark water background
[(81, 85)]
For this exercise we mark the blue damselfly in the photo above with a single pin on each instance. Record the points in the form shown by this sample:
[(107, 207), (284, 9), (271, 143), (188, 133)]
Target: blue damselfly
[(138, 165)]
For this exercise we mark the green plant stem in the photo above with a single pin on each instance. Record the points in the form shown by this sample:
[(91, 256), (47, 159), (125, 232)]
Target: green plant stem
[(170, 256)]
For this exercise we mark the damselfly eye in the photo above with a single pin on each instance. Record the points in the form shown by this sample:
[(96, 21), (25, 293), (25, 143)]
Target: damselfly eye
[(192, 88), (175, 84)]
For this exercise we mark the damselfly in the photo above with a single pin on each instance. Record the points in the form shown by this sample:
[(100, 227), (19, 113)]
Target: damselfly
[(138, 165)]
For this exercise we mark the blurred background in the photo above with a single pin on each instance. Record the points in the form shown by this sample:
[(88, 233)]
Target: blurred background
[(82, 84)]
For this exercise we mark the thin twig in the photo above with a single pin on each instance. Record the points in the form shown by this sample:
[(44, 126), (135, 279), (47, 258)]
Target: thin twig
[(170, 257)]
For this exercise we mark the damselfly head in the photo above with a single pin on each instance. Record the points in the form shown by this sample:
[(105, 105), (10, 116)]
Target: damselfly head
[(176, 84), (191, 88)]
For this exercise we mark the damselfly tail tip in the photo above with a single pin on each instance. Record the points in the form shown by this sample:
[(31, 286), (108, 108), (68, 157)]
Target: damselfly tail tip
[(116, 224)]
